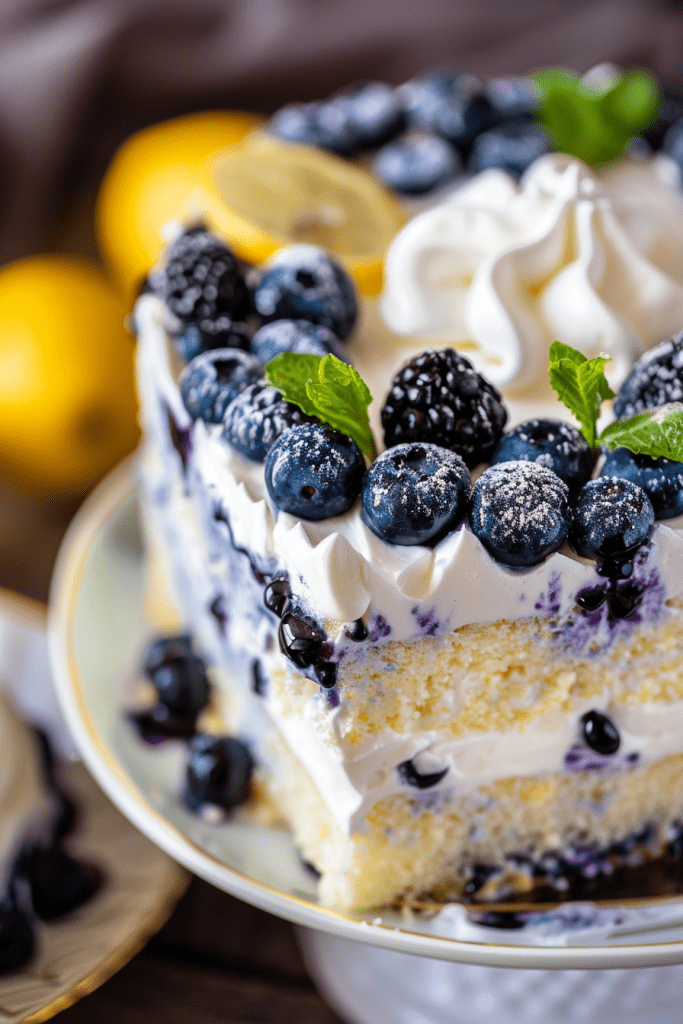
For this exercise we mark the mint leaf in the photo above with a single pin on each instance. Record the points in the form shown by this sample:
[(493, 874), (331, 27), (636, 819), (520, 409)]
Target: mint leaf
[(656, 433), (581, 385), (325, 387)]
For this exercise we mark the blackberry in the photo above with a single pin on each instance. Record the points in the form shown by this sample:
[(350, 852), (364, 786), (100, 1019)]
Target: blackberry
[(656, 379), (203, 285), (439, 398), (257, 417)]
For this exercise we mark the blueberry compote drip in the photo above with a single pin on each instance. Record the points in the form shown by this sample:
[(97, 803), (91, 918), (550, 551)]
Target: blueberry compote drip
[(302, 641), (181, 438)]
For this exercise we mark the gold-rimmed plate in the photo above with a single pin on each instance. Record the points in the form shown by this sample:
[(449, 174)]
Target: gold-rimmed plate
[(97, 631)]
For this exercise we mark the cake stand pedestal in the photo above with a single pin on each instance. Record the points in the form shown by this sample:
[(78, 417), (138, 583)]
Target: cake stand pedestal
[(370, 985)]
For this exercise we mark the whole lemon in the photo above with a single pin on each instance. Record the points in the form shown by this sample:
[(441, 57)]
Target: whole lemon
[(148, 183), (67, 392)]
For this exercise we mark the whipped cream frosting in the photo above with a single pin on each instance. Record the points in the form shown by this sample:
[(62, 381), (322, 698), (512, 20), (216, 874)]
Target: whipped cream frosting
[(500, 270)]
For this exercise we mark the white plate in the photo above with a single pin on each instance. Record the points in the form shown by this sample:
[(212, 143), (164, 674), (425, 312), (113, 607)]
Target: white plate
[(97, 632), (142, 885)]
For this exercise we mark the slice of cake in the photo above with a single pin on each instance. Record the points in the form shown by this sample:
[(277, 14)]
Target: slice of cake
[(450, 688)]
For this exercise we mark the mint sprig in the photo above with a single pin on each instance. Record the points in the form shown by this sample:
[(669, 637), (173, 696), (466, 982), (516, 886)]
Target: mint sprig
[(325, 387), (595, 122), (581, 384)]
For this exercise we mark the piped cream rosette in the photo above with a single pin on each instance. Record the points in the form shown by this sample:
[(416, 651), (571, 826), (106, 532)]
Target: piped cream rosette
[(500, 270)]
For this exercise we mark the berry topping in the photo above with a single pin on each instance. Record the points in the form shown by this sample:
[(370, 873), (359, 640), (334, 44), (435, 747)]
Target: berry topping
[(512, 147), (203, 285), (195, 340), (417, 163), (219, 772), (439, 398), (520, 512), (212, 380), (314, 472), (612, 517), (415, 494), (182, 685), (296, 336), (423, 771), (661, 479), (550, 443), (656, 379), (303, 283), (600, 733), (257, 417), (375, 113)]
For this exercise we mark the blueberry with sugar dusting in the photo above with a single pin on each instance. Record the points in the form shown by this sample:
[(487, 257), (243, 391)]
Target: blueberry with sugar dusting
[(203, 285), (212, 380), (417, 163), (439, 398), (611, 518), (219, 771), (661, 479), (302, 282), (415, 494), (375, 113), (218, 334), (314, 472), (511, 147), (182, 685), (656, 379), (600, 733), (296, 336), (255, 419), (520, 512), (550, 443)]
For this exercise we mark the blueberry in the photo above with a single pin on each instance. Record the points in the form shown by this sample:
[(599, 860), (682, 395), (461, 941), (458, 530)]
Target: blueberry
[(59, 883), (212, 380), (296, 336), (612, 518), (17, 941), (661, 479), (219, 771), (314, 472), (375, 113), (550, 443), (424, 97), (656, 379), (182, 685), (600, 733), (165, 648), (220, 333), (520, 512), (415, 494), (512, 147), (257, 417), (203, 285), (302, 282), (417, 163)]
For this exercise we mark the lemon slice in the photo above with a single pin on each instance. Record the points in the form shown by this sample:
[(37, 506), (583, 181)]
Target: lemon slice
[(265, 193), (149, 181)]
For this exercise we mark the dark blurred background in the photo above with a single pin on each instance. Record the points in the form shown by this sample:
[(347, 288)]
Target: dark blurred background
[(78, 76)]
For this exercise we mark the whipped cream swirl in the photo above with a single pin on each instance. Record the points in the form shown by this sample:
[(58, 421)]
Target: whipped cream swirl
[(501, 270)]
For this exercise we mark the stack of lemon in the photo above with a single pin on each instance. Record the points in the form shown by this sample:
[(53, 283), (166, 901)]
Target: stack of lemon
[(67, 405)]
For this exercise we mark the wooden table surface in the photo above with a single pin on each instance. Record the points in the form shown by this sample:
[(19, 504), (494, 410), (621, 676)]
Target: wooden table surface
[(217, 960)]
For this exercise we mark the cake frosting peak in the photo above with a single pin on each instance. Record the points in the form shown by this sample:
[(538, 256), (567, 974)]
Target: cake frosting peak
[(592, 259)]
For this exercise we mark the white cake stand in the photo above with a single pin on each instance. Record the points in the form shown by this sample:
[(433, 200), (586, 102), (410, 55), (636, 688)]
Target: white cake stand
[(366, 966)]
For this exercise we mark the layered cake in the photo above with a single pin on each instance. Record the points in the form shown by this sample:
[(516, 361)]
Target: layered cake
[(40, 881), (449, 636)]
